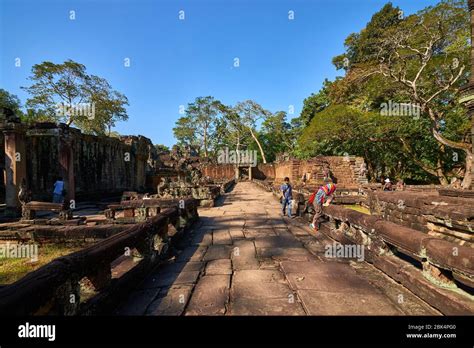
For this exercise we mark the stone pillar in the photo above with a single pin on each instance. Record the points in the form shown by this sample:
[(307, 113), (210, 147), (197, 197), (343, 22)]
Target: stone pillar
[(15, 166), (471, 81), (66, 163)]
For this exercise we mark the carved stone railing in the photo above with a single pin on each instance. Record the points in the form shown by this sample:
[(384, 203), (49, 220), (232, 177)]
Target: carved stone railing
[(139, 210), (448, 217), (50, 233), (29, 210), (440, 272), (58, 287), (344, 195)]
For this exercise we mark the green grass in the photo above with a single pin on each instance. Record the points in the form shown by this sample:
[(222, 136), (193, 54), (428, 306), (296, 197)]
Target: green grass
[(12, 269), (358, 208)]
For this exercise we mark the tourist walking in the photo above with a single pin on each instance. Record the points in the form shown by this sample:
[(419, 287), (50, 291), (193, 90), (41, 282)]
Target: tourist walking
[(287, 196), (323, 196)]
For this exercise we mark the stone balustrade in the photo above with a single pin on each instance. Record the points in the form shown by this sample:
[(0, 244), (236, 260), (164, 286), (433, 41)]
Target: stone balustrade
[(438, 271), (82, 282)]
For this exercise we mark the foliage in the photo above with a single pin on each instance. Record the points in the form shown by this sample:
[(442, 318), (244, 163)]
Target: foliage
[(66, 93), (197, 127)]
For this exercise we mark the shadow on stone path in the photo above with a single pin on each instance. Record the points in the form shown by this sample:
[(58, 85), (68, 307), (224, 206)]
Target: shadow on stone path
[(244, 258)]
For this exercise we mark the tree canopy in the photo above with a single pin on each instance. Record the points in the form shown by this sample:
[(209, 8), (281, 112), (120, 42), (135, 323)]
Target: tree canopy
[(418, 62), (67, 93)]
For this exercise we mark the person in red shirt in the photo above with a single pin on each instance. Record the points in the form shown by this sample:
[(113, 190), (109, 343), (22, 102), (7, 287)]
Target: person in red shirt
[(323, 196)]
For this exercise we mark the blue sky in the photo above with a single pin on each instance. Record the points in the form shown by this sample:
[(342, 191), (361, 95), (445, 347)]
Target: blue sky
[(174, 61)]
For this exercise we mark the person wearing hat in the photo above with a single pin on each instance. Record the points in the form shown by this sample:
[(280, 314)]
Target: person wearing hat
[(388, 185)]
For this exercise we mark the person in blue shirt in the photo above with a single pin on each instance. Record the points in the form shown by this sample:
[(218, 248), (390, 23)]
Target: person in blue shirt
[(287, 196), (58, 192)]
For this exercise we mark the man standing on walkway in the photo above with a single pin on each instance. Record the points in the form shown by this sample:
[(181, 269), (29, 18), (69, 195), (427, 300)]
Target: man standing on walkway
[(287, 196), (323, 196), (58, 192)]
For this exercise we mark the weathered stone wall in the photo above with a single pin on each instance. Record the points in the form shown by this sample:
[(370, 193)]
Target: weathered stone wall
[(451, 218), (438, 271), (100, 164), (219, 171), (264, 171), (346, 170)]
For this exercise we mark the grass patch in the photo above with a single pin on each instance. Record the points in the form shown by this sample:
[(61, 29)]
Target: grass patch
[(12, 269), (358, 208)]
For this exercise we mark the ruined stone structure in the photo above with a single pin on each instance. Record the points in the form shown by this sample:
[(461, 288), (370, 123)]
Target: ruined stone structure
[(98, 275), (347, 171), (420, 240), (181, 175), (219, 171), (89, 165), (451, 218), (439, 272)]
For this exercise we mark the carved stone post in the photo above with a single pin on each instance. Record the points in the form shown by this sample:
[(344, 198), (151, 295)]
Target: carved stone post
[(15, 166), (66, 163)]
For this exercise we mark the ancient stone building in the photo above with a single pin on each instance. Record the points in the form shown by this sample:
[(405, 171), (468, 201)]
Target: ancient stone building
[(90, 165), (347, 171)]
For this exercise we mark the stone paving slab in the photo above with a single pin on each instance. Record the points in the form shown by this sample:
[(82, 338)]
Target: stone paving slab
[(277, 242), (221, 237), (210, 296), (202, 238), (138, 302), (171, 301), (259, 284), (268, 306), (312, 266), (244, 255), (345, 282), (244, 258), (168, 279), (285, 254), (298, 231), (192, 253), (337, 303), (177, 267), (216, 267), (258, 232), (216, 252), (236, 234)]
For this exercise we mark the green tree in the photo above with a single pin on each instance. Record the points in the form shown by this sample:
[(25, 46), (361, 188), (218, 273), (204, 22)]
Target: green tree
[(313, 104), (10, 101), (66, 93), (420, 59), (250, 113), (277, 135), (230, 130), (160, 148), (342, 129), (197, 127)]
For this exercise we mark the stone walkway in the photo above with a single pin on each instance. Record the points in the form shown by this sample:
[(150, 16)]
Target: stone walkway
[(244, 258)]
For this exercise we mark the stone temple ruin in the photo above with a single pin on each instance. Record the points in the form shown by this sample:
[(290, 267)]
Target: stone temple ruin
[(136, 213), (180, 175)]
